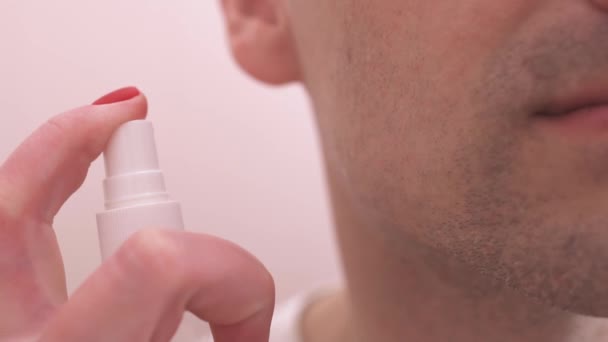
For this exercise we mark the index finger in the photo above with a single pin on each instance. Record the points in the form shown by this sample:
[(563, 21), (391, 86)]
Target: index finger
[(34, 182), (52, 163)]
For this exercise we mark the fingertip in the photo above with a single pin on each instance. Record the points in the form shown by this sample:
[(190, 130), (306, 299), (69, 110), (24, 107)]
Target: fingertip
[(131, 96), (123, 105), (144, 105), (140, 106)]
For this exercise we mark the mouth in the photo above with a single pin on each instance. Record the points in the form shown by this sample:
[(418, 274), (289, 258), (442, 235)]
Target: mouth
[(575, 110), (588, 109)]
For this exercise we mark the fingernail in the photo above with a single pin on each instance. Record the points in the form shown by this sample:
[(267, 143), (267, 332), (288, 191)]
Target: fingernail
[(119, 95)]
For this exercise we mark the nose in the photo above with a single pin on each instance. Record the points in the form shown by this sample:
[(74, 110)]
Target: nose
[(601, 4)]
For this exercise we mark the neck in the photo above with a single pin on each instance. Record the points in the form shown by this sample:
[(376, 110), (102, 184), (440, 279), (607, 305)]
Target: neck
[(401, 291)]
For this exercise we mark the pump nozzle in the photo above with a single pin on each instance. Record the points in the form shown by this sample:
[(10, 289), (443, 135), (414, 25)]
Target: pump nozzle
[(132, 169)]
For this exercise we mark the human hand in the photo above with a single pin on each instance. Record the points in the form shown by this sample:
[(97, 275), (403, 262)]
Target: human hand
[(140, 293)]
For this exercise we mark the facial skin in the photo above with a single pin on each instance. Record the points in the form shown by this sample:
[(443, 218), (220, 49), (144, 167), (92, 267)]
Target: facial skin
[(448, 183)]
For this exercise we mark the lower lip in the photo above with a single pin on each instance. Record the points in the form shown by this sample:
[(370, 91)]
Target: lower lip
[(584, 120)]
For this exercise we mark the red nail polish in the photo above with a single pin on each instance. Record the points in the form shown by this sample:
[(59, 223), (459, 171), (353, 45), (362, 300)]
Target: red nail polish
[(119, 95)]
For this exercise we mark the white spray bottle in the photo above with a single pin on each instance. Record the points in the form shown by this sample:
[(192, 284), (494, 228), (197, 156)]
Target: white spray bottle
[(136, 198)]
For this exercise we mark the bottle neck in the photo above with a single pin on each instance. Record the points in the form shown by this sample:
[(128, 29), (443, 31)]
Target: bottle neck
[(134, 189)]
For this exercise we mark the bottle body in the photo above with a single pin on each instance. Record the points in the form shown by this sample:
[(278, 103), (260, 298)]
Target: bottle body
[(115, 226), (118, 225)]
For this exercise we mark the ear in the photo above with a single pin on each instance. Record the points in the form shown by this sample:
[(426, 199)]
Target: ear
[(261, 39)]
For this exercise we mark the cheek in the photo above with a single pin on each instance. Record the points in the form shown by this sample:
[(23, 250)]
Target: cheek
[(401, 98), (396, 92)]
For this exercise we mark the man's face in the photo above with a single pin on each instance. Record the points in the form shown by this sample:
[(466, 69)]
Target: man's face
[(435, 118)]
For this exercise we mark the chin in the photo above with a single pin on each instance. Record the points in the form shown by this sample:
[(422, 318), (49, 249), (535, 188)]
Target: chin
[(568, 271), (587, 304)]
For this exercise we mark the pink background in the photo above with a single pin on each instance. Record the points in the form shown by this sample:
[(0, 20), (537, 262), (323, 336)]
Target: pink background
[(242, 158)]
